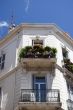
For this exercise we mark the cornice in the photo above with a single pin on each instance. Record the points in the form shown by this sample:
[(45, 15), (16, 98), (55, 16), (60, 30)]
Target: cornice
[(45, 26)]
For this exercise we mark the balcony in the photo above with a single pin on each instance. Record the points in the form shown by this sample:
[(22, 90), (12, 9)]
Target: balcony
[(68, 65), (38, 63), (70, 104), (37, 57), (40, 99), (68, 70)]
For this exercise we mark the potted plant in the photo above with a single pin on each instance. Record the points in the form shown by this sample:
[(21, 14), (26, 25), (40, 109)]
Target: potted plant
[(46, 52), (38, 50), (68, 64), (53, 52), (28, 50)]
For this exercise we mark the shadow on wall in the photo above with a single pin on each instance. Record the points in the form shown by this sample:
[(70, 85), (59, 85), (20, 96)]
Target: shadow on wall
[(4, 101), (50, 78)]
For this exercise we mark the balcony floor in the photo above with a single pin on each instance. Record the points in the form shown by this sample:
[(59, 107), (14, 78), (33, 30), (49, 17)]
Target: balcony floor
[(39, 106), (38, 63)]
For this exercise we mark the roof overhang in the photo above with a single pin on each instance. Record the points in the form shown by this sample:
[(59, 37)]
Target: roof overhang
[(40, 26)]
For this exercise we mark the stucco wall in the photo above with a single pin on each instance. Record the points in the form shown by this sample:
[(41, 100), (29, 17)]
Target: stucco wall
[(10, 49), (24, 38), (12, 85), (49, 39), (7, 87), (21, 79), (54, 80)]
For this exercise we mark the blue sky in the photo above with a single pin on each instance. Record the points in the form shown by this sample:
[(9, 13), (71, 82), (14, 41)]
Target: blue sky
[(37, 11)]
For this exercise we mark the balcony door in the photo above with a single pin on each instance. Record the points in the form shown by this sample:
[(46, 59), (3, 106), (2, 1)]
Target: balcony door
[(40, 89)]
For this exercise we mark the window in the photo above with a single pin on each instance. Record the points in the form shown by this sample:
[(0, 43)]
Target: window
[(37, 42), (65, 53), (2, 61), (40, 88), (70, 90), (70, 87), (70, 104)]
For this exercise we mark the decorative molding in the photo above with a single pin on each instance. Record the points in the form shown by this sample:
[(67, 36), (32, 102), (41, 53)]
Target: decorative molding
[(3, 76), (20, 27)]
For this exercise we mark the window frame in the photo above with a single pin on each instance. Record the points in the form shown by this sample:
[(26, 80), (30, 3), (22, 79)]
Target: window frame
[(66, 50), (37, 42)]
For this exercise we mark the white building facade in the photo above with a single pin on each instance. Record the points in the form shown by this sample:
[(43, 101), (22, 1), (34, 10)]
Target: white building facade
[(36, 83)]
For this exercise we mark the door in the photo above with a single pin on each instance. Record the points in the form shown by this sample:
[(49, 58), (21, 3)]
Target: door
[(40, 89)]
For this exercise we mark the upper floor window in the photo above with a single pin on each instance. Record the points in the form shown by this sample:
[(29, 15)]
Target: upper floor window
[(2, 61), (37, 42), (70, 90), (65, 53)]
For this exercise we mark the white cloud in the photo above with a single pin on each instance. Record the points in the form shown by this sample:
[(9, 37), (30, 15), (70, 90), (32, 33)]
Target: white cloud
[(3, 24), (27, 5)]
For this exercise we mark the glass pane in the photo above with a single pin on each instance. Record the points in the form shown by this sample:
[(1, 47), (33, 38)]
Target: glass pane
[(37, 92), (38, 42), (43, 92), (40, 79), (40, 88)]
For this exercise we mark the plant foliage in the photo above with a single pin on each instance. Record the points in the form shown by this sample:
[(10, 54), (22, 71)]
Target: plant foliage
[(37, 51)]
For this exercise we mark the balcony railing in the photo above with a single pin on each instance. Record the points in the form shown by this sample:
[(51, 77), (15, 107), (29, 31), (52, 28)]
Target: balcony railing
[(48, 95), (68, 65), (70, 104)]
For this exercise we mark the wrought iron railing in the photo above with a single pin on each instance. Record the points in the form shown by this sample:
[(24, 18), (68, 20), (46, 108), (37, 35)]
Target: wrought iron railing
[(48, 95), (70, 104)]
